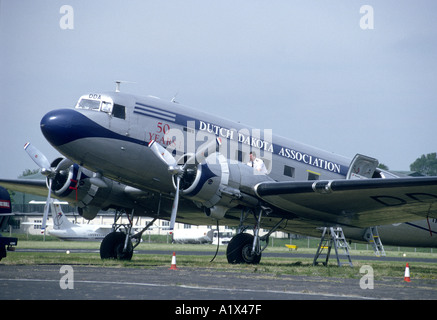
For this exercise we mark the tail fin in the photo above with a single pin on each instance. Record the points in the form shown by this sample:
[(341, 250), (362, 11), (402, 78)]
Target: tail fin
[(60, 221)]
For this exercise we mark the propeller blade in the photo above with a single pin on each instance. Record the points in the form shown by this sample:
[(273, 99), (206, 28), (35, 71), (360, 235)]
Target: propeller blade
[(209, 147), (46, 208), (64, 164), (170, 161), (162, 153), (37, 156), (174, 209), (40, 159)]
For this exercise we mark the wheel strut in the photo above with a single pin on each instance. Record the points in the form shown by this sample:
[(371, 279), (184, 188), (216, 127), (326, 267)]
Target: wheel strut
[(118, 243), (245, 248)]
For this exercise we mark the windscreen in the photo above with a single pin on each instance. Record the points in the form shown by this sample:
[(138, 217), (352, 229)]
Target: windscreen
[(103, 103), (88, 104)]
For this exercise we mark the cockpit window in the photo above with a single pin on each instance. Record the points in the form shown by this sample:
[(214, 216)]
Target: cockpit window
[(88, 104), (106, 106), (102, 103)]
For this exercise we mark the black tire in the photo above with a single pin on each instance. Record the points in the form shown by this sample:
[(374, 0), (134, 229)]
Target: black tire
[(240, 250), (2, 252), (112, 247)]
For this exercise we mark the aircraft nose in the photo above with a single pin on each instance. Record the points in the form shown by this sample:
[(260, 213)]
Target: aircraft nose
[(61, 126)]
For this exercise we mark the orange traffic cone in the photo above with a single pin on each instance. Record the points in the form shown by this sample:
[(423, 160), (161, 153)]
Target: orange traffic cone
[(173, 262), (407, 273)]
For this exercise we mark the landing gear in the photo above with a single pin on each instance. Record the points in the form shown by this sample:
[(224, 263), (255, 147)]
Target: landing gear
[(240, 250), (112, 247), (118, 244), (246, 248)]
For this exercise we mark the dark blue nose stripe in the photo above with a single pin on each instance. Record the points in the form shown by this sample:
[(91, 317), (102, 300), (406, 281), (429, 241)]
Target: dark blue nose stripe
[(63, 126)]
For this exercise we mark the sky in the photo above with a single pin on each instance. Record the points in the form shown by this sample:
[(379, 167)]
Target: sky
[(332, 74)]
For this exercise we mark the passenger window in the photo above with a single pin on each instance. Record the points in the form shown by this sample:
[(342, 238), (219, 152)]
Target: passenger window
[(313, 175), (289, 171), (119, 111), (239, 155)]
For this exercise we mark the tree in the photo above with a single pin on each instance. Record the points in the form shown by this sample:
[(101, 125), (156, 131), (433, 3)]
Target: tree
[(426, 164), (383, 166), (28, 172)]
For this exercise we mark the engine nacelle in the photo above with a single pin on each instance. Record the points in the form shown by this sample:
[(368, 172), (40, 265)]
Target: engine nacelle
[(65, 181), (87, 190), (217, 184)]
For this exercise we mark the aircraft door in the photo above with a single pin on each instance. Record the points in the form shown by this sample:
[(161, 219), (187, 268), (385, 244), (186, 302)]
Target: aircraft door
[(362, 167)]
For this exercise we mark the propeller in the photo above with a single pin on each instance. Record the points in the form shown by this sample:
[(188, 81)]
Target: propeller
[(178, 170), (39, 158), (46, 170), (175, 169), (47, 208)]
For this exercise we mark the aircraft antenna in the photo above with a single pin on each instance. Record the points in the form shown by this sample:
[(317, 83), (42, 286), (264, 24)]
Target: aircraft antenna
[(174, 98), (117, 85), (119, 82)]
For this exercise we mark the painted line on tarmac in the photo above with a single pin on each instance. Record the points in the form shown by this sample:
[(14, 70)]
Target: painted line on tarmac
[(233, 290)]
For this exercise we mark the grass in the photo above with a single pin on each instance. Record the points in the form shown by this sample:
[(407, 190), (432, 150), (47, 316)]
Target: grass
[(159, 242), (270, 267)]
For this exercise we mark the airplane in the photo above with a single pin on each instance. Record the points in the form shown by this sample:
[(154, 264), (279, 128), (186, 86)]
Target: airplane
[(66, 230), (194, 236), (222, 237), (144, 156), (202, 235)]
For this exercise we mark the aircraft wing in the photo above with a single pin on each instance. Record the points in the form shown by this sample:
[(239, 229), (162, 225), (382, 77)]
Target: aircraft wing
[(357, 203), (35, 223), (36, 187)]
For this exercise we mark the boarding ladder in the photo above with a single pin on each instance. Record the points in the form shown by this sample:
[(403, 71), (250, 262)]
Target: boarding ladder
[(372, 236), (333, 236)]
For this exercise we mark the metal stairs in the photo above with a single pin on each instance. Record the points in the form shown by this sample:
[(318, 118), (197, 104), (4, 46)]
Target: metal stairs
[(372, 236), (333, 236)]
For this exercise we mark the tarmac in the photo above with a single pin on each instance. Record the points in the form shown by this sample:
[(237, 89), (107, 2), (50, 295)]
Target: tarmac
[(78, 282)]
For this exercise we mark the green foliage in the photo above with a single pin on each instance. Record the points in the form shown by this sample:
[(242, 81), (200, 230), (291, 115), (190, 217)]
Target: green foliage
[(383, 166), (426, 164), (29, 172)]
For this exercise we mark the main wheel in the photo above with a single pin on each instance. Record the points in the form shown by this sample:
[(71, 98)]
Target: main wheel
[(112, 247), (240, 250)]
